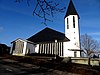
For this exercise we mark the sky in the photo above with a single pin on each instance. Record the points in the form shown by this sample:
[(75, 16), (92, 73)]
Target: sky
[(17, 21)]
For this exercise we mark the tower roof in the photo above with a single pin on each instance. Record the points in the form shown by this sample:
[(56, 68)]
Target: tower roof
[(71, 10)]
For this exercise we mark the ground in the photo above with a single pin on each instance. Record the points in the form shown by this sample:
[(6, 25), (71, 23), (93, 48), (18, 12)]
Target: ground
[(17, 65)]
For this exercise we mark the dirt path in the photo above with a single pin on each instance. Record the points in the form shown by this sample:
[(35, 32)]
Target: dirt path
[(11, 67)]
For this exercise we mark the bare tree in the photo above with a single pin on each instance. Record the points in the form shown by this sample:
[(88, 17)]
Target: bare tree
[(89, 45), (44, 8)]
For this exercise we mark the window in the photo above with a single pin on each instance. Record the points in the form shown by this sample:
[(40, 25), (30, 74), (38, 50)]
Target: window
[(73, 21), (67, 24)]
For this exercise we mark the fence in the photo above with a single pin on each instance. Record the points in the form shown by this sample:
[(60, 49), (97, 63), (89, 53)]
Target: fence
[(93, 61)]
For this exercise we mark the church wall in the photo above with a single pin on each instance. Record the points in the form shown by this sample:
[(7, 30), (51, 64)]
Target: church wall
[(78, 54), (68, 52), (30, 48), (37, 48), (50, 48), (21, 47), (72, 33), (24, 48), (11, 51), (18, 47)]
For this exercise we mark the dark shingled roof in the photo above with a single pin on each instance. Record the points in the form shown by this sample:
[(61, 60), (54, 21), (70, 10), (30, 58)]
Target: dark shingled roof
[(48, 35), (71, 10)]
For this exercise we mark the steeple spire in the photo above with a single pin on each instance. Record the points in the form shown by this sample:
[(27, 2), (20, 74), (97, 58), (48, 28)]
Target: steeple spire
[(71, 10)]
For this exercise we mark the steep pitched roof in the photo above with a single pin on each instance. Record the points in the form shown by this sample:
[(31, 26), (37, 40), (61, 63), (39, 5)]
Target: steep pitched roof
[(71, 10), (48, 35)]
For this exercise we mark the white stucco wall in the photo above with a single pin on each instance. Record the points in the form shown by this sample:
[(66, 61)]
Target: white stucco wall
[(11, 49), (24, 48), (73, 34), (27, 47), (37, 48), (67, 53), (67, 50)]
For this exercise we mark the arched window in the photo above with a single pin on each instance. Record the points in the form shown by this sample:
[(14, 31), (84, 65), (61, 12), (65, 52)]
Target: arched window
[(73, 21)]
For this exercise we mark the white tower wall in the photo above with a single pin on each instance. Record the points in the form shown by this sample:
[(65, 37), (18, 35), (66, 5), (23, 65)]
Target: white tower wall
[(72, 33)]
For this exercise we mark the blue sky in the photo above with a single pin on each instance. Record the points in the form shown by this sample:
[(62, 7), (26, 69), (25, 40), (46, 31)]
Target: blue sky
[(16, 20)]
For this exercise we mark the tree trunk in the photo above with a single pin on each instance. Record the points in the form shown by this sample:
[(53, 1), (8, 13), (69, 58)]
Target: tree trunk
[(89, 59)]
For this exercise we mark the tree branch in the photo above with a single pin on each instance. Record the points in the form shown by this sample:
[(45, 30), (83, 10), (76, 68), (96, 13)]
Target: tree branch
[(45, 9)]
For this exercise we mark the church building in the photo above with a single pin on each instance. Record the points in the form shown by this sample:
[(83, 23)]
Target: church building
[(49, 41)]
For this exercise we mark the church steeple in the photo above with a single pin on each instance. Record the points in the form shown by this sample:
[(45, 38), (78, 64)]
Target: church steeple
[(71, 10), (72, 31)]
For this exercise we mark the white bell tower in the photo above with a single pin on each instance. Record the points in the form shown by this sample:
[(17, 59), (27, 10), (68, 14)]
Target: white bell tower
[(72, 31)]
